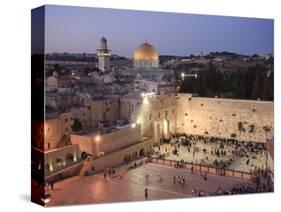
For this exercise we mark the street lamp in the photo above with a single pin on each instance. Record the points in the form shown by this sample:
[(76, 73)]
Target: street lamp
[(182, 76), (97, 138)]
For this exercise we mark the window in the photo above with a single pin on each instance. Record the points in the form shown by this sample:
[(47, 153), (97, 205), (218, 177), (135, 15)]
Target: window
[(166, 113), (159, 115), (66, 120), (49, 130), (49, 145), (150, 117)]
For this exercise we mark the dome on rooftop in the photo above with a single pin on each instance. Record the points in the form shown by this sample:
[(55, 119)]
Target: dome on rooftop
[(146, 52), (146, 56)]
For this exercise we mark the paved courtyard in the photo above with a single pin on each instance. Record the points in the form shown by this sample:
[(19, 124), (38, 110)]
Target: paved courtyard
[(239, 164), (130, 186)]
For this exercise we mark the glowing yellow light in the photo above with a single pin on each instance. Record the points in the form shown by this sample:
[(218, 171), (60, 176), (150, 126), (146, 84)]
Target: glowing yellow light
[(51, 167), (182, 76), (46, 199), (97, 138), (145, 101)]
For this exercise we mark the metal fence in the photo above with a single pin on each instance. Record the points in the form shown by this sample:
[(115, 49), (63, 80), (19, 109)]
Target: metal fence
[(202, 168)]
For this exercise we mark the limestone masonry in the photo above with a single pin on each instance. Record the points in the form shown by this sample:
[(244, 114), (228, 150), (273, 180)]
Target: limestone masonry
[(227, 118)]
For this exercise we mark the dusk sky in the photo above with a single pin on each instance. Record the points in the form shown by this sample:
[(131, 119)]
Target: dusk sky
[(79, 29)]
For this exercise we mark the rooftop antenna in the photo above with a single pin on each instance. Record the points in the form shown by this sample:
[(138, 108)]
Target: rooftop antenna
[(146, 39)]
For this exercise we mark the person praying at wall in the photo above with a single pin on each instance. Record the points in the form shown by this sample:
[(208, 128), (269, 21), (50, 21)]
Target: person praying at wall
[(52, 185), (183, 181), (146, 193)]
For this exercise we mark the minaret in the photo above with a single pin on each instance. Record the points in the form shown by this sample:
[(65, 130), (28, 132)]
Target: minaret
[(103, 55)]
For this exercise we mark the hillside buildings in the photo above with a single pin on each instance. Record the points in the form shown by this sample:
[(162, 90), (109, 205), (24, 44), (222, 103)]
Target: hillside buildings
[(119, 115)]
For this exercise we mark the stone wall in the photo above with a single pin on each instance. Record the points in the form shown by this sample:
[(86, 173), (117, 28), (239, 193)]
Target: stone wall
[(240, 119), (153, 113), (104, 110), (109, 142), (84, 142), (121, 138), (52, 133), (61, 158), (83, 114), (117, 158)]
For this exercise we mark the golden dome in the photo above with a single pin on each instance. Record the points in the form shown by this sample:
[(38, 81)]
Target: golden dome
[(146, 52)]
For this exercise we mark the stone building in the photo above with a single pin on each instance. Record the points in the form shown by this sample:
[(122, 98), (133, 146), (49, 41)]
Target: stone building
[(104, 111), (146, 56), (146, 66), (113, 147), (52, 83), (49, 159), (156, 114), (123, 122), (83, 115), (104, 55)]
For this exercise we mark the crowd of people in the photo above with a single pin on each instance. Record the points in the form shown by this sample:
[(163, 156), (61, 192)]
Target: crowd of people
[(225, 151), (237, 189), (179, 180)]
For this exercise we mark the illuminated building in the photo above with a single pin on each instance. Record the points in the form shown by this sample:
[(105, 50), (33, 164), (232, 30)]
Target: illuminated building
[(146, 56), (104, 55)]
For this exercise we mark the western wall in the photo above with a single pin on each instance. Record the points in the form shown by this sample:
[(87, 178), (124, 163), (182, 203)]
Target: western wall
[(247, 120)]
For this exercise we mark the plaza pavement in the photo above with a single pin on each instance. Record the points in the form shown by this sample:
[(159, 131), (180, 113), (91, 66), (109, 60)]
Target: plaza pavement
[(239, 164), (97, 189)]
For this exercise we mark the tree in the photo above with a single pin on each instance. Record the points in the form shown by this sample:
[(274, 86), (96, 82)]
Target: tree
[(257, 86), (57, 68)]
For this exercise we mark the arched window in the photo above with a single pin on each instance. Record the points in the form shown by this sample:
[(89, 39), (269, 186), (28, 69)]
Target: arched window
[(58, 162), (69, 158), (142, 152)]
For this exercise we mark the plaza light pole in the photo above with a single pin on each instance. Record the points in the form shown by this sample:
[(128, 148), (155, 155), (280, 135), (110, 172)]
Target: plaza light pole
[(97, 141)]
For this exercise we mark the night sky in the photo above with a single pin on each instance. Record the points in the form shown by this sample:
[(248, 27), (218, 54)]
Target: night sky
[(79, 29)]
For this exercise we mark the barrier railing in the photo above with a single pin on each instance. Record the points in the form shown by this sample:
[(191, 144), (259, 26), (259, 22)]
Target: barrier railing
[(202, 168)]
